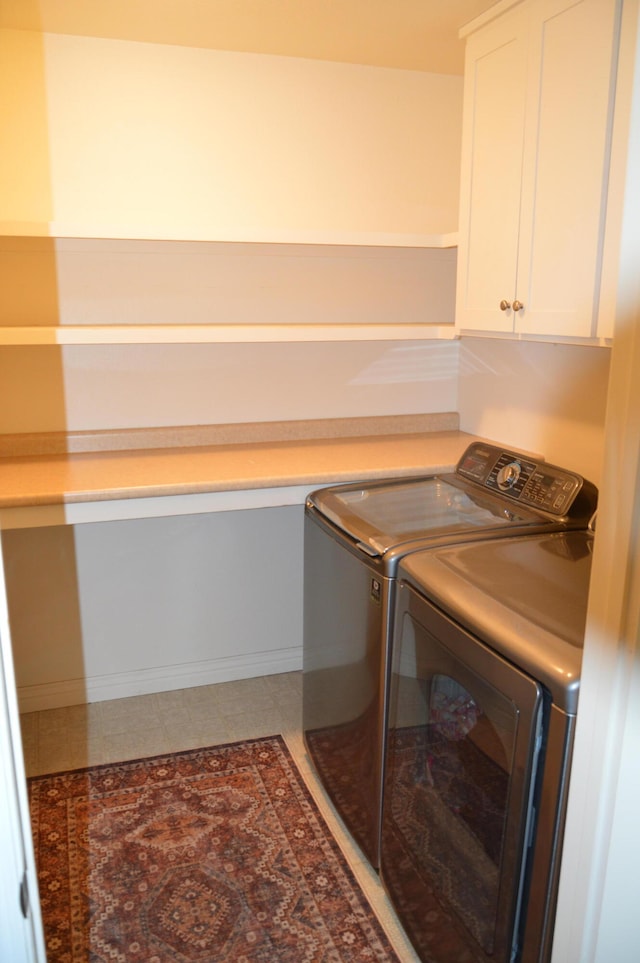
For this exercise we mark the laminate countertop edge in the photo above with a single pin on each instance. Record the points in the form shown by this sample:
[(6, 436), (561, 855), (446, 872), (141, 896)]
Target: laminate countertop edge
[(63, 479)]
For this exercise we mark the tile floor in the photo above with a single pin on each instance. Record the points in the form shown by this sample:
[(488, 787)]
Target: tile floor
[(103, 732)]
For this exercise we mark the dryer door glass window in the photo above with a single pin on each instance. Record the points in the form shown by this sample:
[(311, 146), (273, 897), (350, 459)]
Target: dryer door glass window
[(462, 734)]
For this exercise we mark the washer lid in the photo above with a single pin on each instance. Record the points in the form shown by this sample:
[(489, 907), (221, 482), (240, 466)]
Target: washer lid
[(491, 489), (526, 597), (383, 515)]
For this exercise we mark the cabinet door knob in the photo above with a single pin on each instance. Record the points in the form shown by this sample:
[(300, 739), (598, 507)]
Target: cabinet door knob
[(518, 305), (505, 305)]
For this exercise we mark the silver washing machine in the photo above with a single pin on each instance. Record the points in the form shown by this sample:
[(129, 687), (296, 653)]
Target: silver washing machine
[(355, 536), (484, 688)]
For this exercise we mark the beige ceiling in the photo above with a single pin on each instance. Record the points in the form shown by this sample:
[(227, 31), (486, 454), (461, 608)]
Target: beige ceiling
[(409, 34)]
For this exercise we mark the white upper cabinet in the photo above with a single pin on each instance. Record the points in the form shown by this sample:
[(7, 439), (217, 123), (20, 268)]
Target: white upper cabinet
[(538, 106)]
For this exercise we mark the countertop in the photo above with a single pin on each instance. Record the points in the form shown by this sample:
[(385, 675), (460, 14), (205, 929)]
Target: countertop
[(177, 469), (60, 479)]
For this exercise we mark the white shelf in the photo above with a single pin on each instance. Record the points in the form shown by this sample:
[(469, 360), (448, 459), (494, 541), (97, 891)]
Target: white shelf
[(462, 332), (54, 229), (221, 333)]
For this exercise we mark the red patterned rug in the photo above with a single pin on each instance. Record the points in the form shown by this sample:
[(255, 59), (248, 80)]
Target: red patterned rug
[(211, 855)]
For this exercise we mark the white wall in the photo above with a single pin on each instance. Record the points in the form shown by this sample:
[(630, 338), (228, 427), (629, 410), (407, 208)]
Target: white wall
[(149, 140), (151, 604), (85, 282), (546, 398), (84, 388)]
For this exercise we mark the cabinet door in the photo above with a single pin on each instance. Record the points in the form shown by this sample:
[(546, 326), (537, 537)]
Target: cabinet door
[(492, 149), (21, 934), (565, 166)]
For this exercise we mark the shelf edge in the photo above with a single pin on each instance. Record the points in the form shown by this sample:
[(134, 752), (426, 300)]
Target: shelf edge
[(221, 333), (55, 229)]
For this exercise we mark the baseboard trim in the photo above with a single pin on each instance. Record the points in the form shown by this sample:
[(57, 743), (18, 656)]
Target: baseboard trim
[(121, 685)]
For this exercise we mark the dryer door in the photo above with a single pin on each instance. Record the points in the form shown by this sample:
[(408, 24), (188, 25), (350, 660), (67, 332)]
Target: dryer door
[(464, 735)]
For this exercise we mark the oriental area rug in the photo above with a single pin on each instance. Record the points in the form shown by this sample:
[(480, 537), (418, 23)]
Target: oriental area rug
[(209, 856)]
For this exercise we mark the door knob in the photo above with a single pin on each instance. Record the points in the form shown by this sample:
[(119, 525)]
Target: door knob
[(505, 305), (518, 305)]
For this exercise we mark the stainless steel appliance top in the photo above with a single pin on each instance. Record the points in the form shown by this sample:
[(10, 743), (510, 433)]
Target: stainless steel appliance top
[(490, 489), (525, 597)]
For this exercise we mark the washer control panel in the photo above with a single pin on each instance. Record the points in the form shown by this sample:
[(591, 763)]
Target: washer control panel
[(513, 476)]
